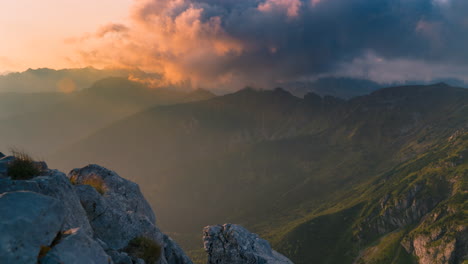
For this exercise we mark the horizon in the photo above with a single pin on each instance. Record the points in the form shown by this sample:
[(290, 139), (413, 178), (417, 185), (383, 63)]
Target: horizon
[(424, 39)]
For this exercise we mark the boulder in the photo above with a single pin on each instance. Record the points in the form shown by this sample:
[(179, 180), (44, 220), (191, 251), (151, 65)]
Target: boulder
[(118, 213), (76, 247), (28, 222), (233, 244), (119, 192), (55, 184), (112, 224)]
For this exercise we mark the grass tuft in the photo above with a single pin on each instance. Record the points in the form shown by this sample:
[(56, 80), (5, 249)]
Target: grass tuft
[(23, 166), (144, 248)]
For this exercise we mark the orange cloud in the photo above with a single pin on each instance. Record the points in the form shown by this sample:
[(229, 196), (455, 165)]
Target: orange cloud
[(181, 46)]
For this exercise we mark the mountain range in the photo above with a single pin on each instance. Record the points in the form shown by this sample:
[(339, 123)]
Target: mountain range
[(375, 175), (326, 180), (57, 119)]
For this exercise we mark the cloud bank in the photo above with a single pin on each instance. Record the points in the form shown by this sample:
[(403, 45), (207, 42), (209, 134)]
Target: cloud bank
[(216, 43)]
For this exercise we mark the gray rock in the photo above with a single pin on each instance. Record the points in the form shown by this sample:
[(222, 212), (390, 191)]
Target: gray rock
[(28, 221), (121, 213), (112, 224), (173, 253), (120, 257), (9, 185), (58, 186), (119, 191), (233, 244), (76, 247), (4, 161)]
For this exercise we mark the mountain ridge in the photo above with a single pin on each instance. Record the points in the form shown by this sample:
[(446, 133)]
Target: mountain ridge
[(301, 152)]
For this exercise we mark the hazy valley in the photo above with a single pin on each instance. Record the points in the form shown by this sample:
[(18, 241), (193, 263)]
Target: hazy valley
[(377, 178)]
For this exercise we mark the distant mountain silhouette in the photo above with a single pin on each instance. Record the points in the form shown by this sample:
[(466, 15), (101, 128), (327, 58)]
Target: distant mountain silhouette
[(63, 121), (65, 80), (340, 87)]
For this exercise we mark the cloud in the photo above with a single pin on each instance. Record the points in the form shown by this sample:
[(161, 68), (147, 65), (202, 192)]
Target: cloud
[(290, 7), (215, 43), (111, 28), (400, 70)]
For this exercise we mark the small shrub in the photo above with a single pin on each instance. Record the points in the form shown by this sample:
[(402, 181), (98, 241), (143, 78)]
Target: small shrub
[(144, 248), (93, 181), (23, 166)]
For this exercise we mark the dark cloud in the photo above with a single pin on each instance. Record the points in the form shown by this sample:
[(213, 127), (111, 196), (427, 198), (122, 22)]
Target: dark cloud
[(264, 41)]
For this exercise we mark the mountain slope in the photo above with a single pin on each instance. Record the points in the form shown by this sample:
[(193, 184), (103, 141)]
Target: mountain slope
[(417, 207), (83, 112), (268, 159), (13, 104)]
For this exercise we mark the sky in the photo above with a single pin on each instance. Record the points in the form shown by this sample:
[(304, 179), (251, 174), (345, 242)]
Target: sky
[(241, 42), (33, 33)]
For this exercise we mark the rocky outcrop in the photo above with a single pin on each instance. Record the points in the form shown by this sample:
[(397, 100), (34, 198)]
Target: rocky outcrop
[(28, 222), (49, 220), (233, 244), (398, 211), (120, 213), (439, 246), (93, 216), (440, 238)]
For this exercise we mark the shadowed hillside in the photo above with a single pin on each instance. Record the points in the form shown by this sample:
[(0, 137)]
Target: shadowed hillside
[(268, 159)]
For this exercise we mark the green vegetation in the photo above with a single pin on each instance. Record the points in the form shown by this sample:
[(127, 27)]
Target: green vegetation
[(387, 250), (144, 248), (329, 236), (346, 235), (328, 176), (23, 166)]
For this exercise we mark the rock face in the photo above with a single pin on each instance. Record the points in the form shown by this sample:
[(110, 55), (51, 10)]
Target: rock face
[(439, 246), (119, 192), (439, 239), (28, 221), (233, 244), (75, 247), (55, 184), (120, 213), (399, 211)]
